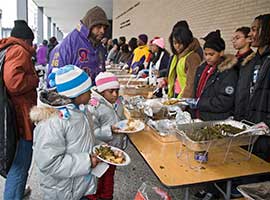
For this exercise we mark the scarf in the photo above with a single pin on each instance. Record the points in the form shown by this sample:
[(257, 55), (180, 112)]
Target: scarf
[(207, 72)]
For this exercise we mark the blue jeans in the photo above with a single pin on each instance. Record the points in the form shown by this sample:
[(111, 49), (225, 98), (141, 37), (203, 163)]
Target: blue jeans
[(18, 173)]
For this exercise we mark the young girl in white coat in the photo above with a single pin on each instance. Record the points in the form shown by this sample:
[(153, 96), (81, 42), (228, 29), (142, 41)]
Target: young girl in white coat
[(108, 110)]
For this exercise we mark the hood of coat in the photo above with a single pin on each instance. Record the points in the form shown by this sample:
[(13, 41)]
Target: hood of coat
[(16, 41), (229, 61), (49, 103), (95, 94), (193, 46), (94, 17), (248, 58)]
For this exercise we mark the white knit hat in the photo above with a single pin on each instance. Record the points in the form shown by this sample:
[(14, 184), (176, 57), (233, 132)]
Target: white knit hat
[(106, 81), (70, 81)]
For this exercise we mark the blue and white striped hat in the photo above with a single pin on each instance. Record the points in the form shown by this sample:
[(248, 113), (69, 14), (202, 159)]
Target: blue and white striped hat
[(70, 81)]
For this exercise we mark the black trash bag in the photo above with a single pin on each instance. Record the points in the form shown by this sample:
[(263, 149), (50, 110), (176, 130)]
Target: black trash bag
[(8, 128)]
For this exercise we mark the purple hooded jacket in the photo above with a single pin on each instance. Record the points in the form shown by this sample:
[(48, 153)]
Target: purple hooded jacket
[(76, 49), (42, 55)]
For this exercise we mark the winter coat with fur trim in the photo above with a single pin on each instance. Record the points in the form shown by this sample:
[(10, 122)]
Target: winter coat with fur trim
[(105, 115), (257, 106), (61, 150), (242, 90), (217, 98)]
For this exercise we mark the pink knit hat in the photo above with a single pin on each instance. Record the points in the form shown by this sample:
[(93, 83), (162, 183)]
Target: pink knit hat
[(159, 42), (106, 81)]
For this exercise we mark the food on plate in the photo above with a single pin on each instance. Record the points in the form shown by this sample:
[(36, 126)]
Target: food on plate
[(106, 153), (163, 113), (171, 102), (131, 125), (213, 132)]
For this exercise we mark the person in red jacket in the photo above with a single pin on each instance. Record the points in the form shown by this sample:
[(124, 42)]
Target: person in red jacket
[(21, 82)]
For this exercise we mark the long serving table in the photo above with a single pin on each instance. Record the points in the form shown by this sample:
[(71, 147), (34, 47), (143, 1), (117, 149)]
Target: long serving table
[(173, 172)]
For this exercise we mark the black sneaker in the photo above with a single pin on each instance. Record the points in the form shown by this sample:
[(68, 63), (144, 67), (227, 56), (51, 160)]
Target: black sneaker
[(235, 193)]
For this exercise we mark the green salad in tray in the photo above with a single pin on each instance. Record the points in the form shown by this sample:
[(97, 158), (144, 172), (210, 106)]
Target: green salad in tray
[(217, 131)]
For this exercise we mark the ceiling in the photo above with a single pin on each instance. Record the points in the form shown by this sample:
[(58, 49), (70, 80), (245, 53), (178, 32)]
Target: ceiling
[(67, 13)]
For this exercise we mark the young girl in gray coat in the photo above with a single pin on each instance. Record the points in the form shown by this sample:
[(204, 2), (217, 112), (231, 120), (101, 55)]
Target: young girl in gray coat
[(107, 110), (63, 137)]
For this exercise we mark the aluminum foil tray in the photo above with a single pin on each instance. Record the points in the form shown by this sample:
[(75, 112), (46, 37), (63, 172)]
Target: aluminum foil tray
[(184, 129), (163, 127), (163, 136)]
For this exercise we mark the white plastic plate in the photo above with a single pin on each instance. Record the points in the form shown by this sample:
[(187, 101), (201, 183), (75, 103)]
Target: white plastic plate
[(127, 158), (123, 125)]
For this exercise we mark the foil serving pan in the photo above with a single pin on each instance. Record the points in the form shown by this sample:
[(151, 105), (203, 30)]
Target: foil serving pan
[(184, 129), (163, 127), (163, 130)]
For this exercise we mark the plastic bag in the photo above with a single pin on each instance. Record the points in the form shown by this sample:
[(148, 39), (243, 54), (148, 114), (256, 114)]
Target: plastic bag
[(149, 192), (255, 191)]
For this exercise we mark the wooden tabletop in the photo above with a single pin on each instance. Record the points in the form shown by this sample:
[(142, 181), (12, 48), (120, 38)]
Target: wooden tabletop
[(173, 171)]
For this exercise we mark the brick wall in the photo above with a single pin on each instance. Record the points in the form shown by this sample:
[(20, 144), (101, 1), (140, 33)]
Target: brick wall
[(156, 17)]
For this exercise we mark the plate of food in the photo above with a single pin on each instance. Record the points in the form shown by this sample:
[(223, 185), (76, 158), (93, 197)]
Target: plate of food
[(130, 126), (174, 101), (112, 155), (171, 101)]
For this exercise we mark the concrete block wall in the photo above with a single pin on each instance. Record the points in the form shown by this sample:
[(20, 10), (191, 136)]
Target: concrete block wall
[(157, 17)]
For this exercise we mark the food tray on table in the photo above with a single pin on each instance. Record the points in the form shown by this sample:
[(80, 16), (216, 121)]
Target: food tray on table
[(133, 113), (123, 77), (174, 101), (163, 130), (117, 71), (143, 90), (156, 110), (187, 134), (132, 81)]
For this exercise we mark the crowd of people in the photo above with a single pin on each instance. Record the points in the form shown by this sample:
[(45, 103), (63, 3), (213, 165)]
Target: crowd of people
[(82, 102)]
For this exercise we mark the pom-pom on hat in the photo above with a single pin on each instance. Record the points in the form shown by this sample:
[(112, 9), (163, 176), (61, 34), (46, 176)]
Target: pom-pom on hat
[(159, 42), (70, 81), (214, 41), (106, 81), (22, 30)]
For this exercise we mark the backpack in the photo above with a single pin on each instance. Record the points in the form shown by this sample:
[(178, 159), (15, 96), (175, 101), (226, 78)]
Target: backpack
[(8, 128)]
